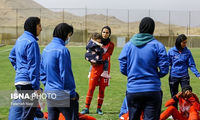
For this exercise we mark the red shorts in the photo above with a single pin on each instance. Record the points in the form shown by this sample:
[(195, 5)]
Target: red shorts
[(95, 77), (103, 82), (99, 82)]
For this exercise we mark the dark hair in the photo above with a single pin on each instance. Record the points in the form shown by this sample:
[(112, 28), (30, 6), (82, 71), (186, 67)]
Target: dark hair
[(180, 39), (30, 25), (186, 87), (105, 41), (106, 27), (147, 25), (96, 36), (62, 30)]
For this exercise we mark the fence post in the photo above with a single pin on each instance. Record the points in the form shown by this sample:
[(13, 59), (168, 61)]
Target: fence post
[(41, 41), (107, 16), (189, 17), (128, 24), (63, 15), (85, 31), (149, 12), (169, 37), (16, 23)]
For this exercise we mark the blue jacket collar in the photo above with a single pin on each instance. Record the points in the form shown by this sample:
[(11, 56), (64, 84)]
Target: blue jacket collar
[(28, 33), (58, 40), (175, 49)]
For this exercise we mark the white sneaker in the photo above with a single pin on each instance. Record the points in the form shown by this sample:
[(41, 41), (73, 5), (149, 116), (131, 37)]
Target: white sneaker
[(105, 75), (170, 117)]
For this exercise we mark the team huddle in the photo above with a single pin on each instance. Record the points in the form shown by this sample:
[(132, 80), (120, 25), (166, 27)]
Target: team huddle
[(143, 98)]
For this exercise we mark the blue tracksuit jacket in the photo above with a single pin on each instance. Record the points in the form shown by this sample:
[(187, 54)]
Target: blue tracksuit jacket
[(56, 71), (25, 58), (144, 66), (124, 108), (180, 62)]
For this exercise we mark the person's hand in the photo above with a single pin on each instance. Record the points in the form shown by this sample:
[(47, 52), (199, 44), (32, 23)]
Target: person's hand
[(38, 91), (179, 94), (76, 97)]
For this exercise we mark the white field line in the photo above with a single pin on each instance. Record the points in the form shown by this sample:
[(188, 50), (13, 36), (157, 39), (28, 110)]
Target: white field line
[(5, 50)]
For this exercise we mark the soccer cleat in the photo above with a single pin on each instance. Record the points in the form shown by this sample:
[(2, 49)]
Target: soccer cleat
[(105, 75), (85, 111), (99, 111)]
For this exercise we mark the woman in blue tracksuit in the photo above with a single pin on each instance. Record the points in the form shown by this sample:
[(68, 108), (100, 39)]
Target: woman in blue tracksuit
[(144, 61), (180, 59), (25, 58), (57, 77)]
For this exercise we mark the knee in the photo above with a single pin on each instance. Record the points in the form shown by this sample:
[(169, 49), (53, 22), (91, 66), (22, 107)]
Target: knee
[(193, 114), (91, 88), (101, 94), (101, 90), (193, 111)]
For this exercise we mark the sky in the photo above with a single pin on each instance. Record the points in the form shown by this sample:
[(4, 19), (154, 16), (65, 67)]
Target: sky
[(158, 9), (123, 4)]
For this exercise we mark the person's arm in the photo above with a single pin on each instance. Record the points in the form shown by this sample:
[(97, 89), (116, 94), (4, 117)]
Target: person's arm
[(90, 53), (42, 72), (66, 73), (99, 50), (194, 100), (123, 60), (169, 57), (33, 59), (163, 61), (192, 65), (173, 100), (109, 51), (124, 108), (170, 102), (12, 58)]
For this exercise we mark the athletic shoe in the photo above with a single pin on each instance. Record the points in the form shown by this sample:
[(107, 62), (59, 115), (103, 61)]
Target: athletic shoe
[(85, 111), (99, 111)]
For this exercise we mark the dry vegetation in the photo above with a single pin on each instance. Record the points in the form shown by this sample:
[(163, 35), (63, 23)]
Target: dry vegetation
[(9, 16)]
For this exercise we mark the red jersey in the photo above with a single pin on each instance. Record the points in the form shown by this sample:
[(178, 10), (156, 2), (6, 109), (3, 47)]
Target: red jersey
[(185, 104)]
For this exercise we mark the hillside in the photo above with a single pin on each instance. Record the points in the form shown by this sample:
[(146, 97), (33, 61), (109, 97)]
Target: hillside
[(14, 12), (13, 4)]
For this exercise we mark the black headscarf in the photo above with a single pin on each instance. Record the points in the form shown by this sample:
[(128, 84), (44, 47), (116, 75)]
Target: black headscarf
[(186, 87), (30, 25), (180, 39), (106, 41), (62, 30), (147, 25)]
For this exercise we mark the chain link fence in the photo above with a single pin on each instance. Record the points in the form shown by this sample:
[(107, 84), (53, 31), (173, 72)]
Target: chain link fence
[(124, 23)]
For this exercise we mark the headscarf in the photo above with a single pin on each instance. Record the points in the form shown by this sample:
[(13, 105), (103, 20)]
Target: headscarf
[(145, 35), (147, 25), (30, 25), (106, 41), (186, 87), (62, 30)]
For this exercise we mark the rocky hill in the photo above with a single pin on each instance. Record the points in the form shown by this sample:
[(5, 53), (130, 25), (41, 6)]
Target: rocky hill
[(14, 12)]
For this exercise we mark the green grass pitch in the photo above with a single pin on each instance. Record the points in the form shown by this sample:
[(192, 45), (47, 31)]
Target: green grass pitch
[(114, 94)]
